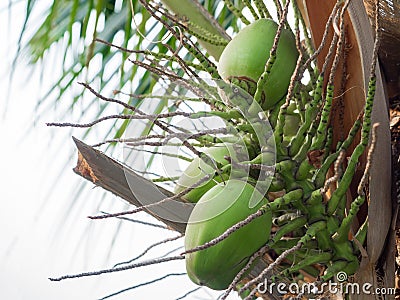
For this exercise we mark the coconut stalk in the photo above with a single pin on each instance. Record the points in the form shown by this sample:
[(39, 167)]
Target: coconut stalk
[(360, 37)]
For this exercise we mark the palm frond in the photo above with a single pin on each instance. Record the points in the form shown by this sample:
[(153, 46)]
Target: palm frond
[(71, 28)]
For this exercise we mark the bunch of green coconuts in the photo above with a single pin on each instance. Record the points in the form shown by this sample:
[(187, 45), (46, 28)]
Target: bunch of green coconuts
[(232, 218), (243, 208), (242, 62), (301, 224)]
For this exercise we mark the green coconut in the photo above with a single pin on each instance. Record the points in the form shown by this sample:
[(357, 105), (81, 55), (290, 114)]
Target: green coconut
[(198, 169), (220, 208), (244, 58)]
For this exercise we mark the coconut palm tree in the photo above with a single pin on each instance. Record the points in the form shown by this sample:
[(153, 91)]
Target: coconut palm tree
[(89, 32)]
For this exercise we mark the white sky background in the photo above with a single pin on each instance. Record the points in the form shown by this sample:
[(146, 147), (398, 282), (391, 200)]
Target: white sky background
[(43, 227)]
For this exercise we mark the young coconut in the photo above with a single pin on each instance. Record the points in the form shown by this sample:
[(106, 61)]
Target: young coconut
[(198, 169), (220, 208), (244, 58)]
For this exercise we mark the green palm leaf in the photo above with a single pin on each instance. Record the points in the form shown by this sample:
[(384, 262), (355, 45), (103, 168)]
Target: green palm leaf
[(71, 27)]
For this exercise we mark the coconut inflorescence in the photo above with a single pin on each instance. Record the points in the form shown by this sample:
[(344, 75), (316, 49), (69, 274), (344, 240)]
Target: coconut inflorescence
[(242, 62), (312, 226)]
